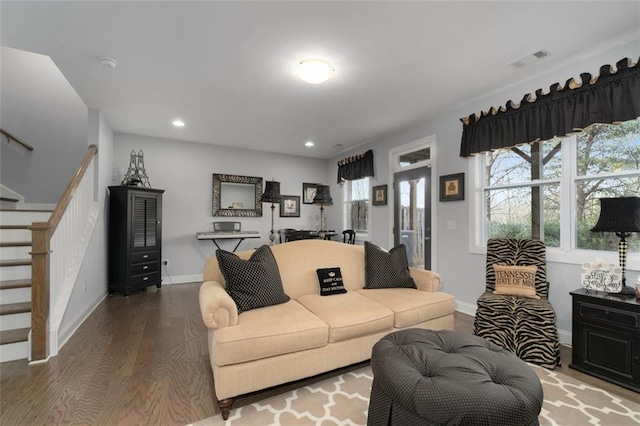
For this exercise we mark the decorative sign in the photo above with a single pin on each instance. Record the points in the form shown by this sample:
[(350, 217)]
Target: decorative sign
[(602, 277)]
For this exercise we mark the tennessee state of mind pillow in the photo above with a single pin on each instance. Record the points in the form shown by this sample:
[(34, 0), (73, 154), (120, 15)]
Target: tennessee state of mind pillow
[(516, 280)]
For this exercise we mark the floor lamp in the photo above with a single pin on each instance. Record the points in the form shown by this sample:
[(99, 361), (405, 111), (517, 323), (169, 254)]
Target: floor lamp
[(622, 216), (322, 198), (271, 195)]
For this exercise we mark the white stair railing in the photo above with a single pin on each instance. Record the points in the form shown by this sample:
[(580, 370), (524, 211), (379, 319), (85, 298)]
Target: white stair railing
[(58, 247)]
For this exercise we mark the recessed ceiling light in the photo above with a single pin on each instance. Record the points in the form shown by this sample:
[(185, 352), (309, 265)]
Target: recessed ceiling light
[(314, 71), (309, 144), (108, 62), (178, 123)]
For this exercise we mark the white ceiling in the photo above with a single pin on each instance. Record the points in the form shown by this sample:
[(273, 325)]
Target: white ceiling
[(227, 68)]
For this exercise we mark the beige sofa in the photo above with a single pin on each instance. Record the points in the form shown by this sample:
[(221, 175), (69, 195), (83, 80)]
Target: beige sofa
[(310, 334)]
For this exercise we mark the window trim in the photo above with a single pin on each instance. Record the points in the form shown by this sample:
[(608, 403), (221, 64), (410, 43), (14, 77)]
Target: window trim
[(345, 214), (567, 253)]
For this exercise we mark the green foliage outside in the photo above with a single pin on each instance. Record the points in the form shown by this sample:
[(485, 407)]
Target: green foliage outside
[(600, 151)]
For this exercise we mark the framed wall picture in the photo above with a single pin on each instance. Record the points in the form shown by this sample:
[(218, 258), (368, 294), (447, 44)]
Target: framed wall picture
[(290, 206), (452, 187), (309, 192), (380, 195)]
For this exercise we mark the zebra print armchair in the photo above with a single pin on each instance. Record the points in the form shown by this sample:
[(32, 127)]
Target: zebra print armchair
[(521, 325)]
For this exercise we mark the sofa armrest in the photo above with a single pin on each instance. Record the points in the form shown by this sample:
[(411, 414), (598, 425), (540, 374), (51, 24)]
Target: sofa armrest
[(426, 280), (217, 307)]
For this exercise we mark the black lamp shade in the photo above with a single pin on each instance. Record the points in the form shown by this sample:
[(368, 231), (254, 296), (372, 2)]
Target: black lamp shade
[(323, 196), (619, 215), (271, 192)]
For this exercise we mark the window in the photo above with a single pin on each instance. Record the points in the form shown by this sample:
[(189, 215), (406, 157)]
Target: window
[(549, 190), (357, 205)]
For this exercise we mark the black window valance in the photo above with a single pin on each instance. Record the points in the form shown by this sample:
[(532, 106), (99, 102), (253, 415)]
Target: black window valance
[(355, 167), (607, 98)]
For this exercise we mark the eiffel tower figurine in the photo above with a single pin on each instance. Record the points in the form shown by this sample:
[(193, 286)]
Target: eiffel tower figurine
[(141, 172), (131, 177)]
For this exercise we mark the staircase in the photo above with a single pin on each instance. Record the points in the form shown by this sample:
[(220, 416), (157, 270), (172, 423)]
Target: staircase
[(15, 280)]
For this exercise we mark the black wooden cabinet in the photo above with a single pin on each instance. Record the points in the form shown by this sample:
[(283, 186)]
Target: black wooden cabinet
[(135, 238), (606, 337)]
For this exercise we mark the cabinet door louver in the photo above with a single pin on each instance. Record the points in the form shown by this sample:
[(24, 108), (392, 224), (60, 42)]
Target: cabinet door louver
[(144, 222)]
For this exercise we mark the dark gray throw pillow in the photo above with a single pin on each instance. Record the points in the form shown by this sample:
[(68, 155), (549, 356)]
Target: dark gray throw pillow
[(252, 283), (330, 280), (384, 269)]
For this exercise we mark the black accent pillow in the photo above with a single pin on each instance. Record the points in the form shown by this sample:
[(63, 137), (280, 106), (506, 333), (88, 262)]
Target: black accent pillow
[(252, 283), (384, 269), (330, 280)]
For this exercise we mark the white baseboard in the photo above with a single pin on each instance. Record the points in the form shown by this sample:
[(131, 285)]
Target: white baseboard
[(470, 309), (181, 279), (466, 308), (69, 330)]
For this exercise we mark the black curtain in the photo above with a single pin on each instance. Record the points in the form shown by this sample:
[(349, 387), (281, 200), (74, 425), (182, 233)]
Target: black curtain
[(355, 167), (610, 98)]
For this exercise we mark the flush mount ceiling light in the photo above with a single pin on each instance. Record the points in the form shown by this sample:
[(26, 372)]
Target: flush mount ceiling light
[(178, 123), (309, 144), (314, 71)]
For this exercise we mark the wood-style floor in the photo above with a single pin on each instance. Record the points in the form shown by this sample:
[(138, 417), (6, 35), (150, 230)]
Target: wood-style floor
[(143, 360)]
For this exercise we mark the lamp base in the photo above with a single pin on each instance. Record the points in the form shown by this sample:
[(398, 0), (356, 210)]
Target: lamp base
[(627, 291)]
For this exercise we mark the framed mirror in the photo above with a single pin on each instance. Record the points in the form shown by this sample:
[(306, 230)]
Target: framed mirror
[(237, 196)]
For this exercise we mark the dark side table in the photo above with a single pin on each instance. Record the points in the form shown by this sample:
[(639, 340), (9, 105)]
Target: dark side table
[(606, 337)]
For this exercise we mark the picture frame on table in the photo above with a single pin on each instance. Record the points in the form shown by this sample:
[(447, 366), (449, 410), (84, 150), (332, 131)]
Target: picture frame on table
[(309, 192), (290, 206), (452, 187), (379, 195)]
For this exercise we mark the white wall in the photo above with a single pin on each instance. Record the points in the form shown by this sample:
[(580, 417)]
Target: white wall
[(463, 271), (91, 285), (184, 170), (39, 107)]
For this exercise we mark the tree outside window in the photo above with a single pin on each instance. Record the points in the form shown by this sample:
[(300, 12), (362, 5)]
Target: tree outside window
[(357, 205), (522, 185)]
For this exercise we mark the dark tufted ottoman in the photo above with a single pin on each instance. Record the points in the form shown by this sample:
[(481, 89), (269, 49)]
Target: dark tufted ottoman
[(424, 377)]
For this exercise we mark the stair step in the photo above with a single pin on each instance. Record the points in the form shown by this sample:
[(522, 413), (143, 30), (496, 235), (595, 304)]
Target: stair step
[(14, 226), (16, 262), (27, 210), (5, 285), (15, 244), (13, 200), (15, 308), (14, 336)]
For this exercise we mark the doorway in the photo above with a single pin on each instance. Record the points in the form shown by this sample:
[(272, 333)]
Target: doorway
[(412, 214)]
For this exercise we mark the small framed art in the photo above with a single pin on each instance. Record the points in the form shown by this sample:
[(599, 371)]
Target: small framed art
[(380, 195), (290, 206), (309, 192), (452, 187)]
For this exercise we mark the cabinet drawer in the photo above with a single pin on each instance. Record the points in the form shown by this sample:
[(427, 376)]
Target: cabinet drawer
[(145, 268), (612, 316), (150, 278), (144, 256)]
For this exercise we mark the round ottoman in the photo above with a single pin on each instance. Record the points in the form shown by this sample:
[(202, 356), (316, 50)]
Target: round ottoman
[(425, 377)]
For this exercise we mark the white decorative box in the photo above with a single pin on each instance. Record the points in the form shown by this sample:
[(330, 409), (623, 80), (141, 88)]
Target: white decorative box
[(602, 277)]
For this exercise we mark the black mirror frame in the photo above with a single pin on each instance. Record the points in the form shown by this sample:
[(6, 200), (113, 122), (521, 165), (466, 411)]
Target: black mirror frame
[(218, 179)]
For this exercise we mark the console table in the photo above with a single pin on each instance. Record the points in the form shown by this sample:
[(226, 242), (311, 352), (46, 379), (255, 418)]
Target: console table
[(606, 337)]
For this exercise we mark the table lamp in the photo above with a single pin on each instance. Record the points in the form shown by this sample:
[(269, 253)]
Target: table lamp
[(322, 198), (271, 195), (622, 216)]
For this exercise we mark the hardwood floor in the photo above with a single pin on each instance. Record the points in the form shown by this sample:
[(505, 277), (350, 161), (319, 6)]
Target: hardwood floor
[(143, 360)]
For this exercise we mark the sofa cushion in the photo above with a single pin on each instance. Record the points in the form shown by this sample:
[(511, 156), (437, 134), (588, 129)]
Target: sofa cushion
[(386, 269), (269, 331), (349, 315), (411, 307), (330, 280), (252, 283)]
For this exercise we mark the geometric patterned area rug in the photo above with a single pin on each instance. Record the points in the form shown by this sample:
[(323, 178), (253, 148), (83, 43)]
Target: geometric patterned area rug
[(344, 400)]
